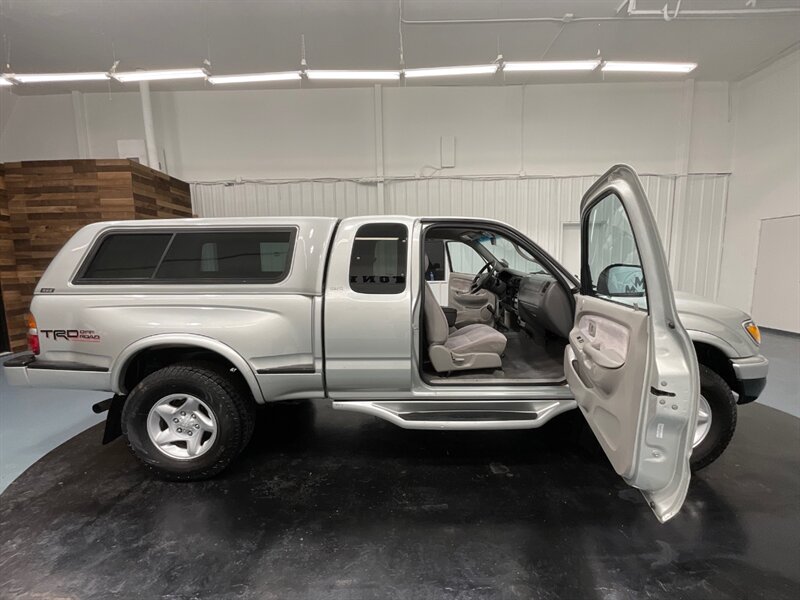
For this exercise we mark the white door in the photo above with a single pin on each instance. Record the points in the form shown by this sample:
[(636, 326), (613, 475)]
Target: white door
[(776, 293), (630, 363)]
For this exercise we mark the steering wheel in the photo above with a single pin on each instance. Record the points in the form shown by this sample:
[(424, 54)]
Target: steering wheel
[(482, 277)]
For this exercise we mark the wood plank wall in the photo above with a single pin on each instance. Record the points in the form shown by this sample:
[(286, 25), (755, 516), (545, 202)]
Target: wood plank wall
[(48, 201), (8, 262)]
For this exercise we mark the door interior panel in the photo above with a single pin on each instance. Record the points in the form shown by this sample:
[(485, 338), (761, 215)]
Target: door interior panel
[(608, 340), (605, 366), (472, 308)]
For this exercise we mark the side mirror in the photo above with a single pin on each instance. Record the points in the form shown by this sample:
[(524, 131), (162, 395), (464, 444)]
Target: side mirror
[(621, 280)]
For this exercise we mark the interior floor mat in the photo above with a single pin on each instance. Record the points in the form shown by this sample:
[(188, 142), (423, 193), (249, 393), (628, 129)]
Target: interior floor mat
[(525, 359)]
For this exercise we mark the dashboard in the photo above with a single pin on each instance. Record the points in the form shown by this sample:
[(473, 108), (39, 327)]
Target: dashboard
[(537, 300)]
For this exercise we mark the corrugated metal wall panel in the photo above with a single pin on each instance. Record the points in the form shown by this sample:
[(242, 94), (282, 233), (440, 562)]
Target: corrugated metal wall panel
[(691, 229), (699, 223)]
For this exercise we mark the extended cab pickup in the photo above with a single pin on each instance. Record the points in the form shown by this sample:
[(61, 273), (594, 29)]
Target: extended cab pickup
[(430, 323)]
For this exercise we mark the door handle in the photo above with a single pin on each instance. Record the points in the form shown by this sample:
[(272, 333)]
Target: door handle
[(608, 359)]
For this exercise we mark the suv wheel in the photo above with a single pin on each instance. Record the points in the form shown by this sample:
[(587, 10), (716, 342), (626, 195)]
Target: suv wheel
[(187, 422), (716, 420)]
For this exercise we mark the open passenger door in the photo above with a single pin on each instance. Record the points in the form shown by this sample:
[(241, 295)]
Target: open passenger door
[(630, 362)]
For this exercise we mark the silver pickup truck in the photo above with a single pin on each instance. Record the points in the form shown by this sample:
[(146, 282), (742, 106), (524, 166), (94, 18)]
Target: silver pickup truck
[(430, 323)]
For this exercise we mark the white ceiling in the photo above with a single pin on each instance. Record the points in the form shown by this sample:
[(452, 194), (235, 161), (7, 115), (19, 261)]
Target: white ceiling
[(253, 36)]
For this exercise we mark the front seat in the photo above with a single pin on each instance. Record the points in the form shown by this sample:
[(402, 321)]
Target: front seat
[(475, 346)]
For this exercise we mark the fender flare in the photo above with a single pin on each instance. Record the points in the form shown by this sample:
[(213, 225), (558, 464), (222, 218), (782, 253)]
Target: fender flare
[(704, 337), (183, 339)]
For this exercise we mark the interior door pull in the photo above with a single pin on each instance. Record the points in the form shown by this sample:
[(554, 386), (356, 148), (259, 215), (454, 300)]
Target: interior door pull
[(608, 359)]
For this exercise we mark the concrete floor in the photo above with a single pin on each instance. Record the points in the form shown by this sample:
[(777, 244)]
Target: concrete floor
[(34, 421), (783, 383)]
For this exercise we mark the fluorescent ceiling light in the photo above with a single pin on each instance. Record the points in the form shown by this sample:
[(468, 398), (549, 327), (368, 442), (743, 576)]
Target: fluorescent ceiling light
[(254, 77), (352, 75), (451, 71), (551, 65), (56, 77), (648, 67), (4, 81), (162, 75)]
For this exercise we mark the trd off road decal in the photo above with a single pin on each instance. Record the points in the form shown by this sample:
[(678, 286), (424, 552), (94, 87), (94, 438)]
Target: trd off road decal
[(71, 335)]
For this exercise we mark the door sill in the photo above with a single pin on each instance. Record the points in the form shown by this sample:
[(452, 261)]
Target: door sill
[(441, 381)]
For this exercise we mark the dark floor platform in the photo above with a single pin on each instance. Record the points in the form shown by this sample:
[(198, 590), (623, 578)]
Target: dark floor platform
[(337, 505)]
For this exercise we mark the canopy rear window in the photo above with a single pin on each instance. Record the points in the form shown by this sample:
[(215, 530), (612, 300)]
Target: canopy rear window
[(251, 256)]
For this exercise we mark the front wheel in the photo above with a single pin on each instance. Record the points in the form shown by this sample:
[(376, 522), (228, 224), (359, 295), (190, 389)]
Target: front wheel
[(716, 419), (187, 422)]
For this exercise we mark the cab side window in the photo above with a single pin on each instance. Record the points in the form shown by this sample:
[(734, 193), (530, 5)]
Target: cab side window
[(612, 265), (379, 259)]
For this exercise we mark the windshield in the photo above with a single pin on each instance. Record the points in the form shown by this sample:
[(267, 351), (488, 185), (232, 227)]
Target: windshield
[(515, 257)]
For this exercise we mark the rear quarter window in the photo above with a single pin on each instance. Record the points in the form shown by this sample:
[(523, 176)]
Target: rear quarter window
[(259, 256), (378, 259)]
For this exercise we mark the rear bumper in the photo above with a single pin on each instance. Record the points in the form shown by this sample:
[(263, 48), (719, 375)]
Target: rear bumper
[(15, 369), (26, 370), (751, 374)]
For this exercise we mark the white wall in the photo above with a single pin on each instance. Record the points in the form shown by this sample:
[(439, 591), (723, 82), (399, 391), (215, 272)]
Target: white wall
[(577, 129), (711, 144), (311, 133), (111, 117), (585, 129), (766, 171), (37, 128), (486, 122)]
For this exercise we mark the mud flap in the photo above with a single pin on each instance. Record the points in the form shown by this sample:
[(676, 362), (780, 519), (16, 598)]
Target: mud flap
[(114, 419)]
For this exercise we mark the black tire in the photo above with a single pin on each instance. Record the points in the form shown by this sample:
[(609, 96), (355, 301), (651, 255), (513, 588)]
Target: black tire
[(232, 408), (242, 389), (723, 419)]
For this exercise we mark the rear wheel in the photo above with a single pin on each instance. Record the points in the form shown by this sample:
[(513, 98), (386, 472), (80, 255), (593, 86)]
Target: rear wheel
[(716, 420), (187, 422)]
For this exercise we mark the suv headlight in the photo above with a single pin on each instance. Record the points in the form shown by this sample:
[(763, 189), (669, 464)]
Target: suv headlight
[(752, 329)]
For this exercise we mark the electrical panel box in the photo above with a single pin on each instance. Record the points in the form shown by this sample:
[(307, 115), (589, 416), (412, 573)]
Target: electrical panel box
[(448, 152)]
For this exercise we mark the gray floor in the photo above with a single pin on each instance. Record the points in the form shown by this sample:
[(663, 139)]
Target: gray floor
[(783, 383), (34, 421)]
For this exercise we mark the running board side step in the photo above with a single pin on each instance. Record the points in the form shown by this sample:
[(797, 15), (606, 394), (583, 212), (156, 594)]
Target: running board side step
[(460, 415)]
